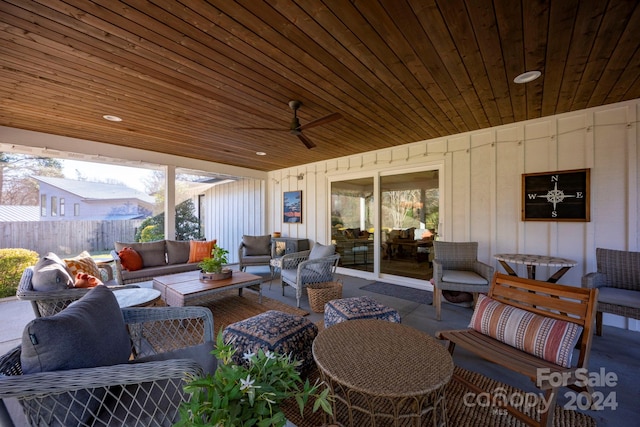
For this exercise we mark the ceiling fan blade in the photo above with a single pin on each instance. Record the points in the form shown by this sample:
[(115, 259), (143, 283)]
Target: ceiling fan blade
[(321, 121), (306, 141), (276, 129)]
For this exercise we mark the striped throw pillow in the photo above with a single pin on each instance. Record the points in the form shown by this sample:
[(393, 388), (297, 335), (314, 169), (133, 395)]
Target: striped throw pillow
[(549, 339)]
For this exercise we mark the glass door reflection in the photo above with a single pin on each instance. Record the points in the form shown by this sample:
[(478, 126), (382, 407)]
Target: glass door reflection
[(352, 228), (409, 215)]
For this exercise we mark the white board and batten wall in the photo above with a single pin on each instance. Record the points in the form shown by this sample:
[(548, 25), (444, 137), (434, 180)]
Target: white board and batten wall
[(481, 182)]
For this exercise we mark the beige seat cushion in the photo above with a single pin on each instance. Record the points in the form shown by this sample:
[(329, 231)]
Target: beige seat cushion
[(463, 276)]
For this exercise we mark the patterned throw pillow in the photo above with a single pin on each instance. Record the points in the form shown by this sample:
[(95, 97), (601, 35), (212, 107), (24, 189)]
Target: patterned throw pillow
[(82, 263), (130, 259), (549, 339), (200, 250)]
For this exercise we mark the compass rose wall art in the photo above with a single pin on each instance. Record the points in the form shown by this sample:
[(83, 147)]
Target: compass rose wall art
[(556, 196)]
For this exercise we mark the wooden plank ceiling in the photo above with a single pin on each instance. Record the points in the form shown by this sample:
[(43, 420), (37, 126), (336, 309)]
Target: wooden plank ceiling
[(185, 75)]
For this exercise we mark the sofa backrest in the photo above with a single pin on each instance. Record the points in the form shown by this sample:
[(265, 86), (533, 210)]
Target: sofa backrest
[(621, 268), (153, 253)]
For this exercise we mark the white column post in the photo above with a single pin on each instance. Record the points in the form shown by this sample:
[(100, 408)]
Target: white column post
[(170, 202)]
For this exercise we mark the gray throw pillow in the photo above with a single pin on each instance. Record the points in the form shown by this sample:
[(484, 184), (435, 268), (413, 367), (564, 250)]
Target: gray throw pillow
[(51, 274), (320, 251), (152, 253), (90, 332), (177, 251), (256, 245)]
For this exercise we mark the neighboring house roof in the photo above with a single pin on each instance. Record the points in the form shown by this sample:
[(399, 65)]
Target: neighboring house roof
[(113, 217), (18, 213), (90, 190)]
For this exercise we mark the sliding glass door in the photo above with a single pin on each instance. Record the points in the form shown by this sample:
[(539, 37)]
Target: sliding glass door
[(409, 217), (386, 224)]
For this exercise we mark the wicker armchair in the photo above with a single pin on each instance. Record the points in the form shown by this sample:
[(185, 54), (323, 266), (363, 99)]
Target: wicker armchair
[(48, 303), (618, 280), (298, 270), (456, 268), (138, 393)]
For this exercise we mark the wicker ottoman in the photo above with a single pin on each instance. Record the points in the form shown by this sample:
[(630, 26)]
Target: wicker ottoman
[(341, 310), (275, 331)]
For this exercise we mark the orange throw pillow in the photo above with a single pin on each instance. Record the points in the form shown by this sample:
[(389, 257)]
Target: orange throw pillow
[(130, 259), (84, 280), (200, 250)]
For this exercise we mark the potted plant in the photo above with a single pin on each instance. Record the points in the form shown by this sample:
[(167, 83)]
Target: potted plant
[(213, 268), (249, 394)]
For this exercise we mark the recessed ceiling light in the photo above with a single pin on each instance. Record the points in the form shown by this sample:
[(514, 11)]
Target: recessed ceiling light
[(527, 77), (112, 118), (260, 153)]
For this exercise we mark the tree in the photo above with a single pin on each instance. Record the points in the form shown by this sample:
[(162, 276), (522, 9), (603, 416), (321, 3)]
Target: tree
[(16, 185), (187, 225)]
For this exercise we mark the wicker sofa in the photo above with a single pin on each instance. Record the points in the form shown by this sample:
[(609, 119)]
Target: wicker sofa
[(159, 258), (618, 279)]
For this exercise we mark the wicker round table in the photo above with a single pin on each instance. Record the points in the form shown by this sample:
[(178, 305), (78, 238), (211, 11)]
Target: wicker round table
[(383, 373)]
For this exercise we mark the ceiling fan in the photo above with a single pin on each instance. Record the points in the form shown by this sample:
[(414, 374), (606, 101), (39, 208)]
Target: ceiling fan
[(296, 129)]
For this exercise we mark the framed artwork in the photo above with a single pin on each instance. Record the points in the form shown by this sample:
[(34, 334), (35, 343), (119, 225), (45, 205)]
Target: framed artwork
[(556, 196), (292, 207)]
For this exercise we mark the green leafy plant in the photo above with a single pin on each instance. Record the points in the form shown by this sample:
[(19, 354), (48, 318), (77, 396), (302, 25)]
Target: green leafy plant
[(216, 262), (249, 394)]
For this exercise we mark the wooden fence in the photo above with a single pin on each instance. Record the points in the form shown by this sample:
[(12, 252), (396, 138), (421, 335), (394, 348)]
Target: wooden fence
[(67, 237)]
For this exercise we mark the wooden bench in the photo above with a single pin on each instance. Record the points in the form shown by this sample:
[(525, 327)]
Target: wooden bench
[(571, 304)]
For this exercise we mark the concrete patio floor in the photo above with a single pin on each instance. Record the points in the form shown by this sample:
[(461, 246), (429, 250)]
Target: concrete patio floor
[(616, 351)]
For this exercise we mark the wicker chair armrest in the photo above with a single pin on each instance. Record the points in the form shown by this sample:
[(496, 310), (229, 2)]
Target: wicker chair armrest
[(107, 268), (483, 270), (291, 261), (311, 262), (118, 269), (437, 270), (61, 294), (10, 362), (313, 271), (135, 315), (594, 280), (45, 383)]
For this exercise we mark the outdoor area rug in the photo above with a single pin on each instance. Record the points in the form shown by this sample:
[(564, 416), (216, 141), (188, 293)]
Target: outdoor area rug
[(227, 307), (459, 414), (403, 292)]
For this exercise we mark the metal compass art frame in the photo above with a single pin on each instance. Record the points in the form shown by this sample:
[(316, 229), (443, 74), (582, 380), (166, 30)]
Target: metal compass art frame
[(556, 196)]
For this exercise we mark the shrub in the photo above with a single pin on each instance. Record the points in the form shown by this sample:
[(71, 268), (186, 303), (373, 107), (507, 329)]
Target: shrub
[(151, 233), (12, 264)]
